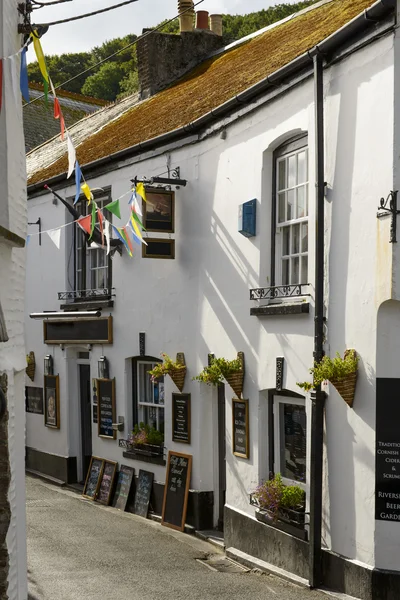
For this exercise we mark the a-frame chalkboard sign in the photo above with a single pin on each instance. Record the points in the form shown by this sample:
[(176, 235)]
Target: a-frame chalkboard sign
[(176, 491)]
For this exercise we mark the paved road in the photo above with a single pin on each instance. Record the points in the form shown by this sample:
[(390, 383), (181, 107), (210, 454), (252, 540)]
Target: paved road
[(79, 550)]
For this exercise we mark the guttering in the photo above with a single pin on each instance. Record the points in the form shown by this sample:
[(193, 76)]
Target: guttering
[(359, 24)]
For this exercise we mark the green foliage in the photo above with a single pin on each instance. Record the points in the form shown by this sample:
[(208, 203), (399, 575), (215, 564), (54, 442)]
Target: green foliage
[(62, 68), (144, 434), (273, 495), (105, 83), (217, 371), (165, 368), (332, 369), (129, 85)]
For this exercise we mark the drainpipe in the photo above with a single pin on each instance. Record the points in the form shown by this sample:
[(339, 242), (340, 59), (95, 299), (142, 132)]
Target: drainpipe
[(318, 396)]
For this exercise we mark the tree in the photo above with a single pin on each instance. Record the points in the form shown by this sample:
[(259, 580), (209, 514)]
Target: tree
[(105, 83), (129, 85), (62, 68)]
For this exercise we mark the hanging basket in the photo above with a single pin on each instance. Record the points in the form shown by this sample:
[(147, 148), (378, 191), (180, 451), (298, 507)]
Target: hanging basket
[(31, 365), (178, 375), (346, 387), (236, 380)]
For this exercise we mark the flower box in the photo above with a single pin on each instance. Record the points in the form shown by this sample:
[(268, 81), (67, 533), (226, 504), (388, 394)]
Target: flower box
[(289, 520), (146, 449)]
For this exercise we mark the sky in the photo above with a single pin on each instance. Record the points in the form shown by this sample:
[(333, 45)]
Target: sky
[(83, 35)]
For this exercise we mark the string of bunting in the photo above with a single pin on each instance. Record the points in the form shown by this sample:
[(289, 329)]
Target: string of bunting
[(133, 228)]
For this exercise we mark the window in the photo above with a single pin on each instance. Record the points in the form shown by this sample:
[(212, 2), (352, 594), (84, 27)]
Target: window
[(290, 214), (92, 265), (150, 396), (290, 424)]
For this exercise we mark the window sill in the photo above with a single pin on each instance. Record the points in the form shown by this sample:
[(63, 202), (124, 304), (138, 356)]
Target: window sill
[(281, 308), (155, 460), (92, 305)]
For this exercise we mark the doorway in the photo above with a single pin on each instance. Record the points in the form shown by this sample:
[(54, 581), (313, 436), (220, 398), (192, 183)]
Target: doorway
[(86, 418), (221, 455)]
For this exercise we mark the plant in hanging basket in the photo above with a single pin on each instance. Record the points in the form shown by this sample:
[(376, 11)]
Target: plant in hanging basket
[(220, 369), (341, 372), (280, 501), (175, 369), (31, 365)]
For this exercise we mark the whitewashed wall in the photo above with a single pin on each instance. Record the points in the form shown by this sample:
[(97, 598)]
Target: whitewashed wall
[(199, 303)]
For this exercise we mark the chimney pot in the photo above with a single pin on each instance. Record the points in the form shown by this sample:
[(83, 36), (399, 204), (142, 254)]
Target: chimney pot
[(186, 20), (216, 24), (202, 19)]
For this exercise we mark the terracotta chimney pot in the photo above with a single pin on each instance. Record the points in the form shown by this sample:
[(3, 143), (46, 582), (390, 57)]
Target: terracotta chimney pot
[(216, 24), (202, 19)]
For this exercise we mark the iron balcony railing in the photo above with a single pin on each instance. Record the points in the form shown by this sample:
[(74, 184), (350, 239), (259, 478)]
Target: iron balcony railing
[(280, 291), (87, 295)]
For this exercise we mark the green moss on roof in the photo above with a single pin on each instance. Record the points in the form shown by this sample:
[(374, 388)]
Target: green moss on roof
[(212, 83)]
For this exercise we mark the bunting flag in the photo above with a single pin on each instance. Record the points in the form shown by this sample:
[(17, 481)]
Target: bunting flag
[(78, 177), (85, 223), (86, 190), (141, 191), (1, 82), (137, 208), (128, 239), (28, 239), (113, 208), (93, 216), (58, 115), (135, 237), (134, 216), (107, 235), (55, 236), (24, 83), (120, 236), (100, 216), (71, 156), (42, 63), (136, 228)]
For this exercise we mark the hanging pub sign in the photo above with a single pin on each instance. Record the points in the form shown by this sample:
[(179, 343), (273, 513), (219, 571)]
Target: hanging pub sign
[(93, 478), (34, 400), (181, 418), (79, 331), (123, 487), (143, 493), (106, 484), (52, 401), (176, 491), (240, 428), (159, 210), (106, 408)]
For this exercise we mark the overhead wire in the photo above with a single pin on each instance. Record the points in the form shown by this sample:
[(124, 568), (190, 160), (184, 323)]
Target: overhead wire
[(43, 4), (144, 35), (91, 14)]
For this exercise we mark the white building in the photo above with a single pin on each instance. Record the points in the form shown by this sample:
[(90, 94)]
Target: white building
[(242, 126), (12, 348)]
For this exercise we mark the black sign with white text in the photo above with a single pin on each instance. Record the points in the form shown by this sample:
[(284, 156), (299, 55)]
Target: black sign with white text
[(387, 447), (181, 418)]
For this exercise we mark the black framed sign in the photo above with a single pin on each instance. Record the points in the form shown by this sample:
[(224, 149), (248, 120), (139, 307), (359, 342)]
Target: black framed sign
[(240, 428), (34, 400), (176, 491), (158, 248), (106, 483), (123, 487), (79, 331), (143, 493), (181, 418), (106, 408), (159, 210), (52, 401), (93, 478), (94, 387)]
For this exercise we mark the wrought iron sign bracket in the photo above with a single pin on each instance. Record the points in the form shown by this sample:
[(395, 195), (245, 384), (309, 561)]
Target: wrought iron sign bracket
[(39, 224), (389, 207), (174, 178)]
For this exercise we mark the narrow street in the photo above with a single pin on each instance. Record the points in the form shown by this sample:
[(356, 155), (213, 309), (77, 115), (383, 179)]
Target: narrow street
[(81, 550)]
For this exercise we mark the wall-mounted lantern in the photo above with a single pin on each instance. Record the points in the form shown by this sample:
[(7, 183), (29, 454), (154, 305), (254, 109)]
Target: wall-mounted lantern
[(48, 365), (103, 368)]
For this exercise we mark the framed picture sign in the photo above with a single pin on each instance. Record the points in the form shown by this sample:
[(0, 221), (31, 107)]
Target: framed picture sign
[(52, 401), (34, 400), (240, 428), (159, 210)]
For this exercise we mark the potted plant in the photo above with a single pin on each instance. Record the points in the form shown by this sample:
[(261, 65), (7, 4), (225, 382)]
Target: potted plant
[(146, 440), (220, 369), (175, 369), (341, 372), (278, 503)]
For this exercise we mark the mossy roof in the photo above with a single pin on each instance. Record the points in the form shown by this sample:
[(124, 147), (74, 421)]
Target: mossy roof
[(212, 83)]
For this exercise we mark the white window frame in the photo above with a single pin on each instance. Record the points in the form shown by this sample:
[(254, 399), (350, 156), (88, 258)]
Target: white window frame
[(141, 404), (278, 425)]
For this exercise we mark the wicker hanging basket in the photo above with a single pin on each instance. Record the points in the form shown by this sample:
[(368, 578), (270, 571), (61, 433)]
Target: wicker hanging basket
[(178, 375), (31, 365), (236, 380), (346, 386)]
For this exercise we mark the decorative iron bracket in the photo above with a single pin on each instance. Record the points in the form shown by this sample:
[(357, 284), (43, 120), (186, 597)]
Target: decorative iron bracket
[(385, 210), (174, 178), (39, 224)]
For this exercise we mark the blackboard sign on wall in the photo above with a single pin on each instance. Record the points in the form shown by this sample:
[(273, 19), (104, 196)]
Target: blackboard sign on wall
[(34, 400), (93, 478), (240, 428), (106, 408), (79, 331), (181, 419), (123, 487), (107, 482), (176, 491), (387, 461), (143, 493)]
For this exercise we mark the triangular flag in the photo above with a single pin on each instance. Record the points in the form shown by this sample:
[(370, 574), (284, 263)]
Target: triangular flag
[(137, 208), (128, 239), (125, 239), (141, 191), (113, 208), (28, 239), (55, 236), (24, 83), (107, 235), (135, 232), (57, 109), (1, 82), (78, 177), (71, 156), (93, 223), (136, 228), (120, 235), (85, 223), (135, 237), (86, 190), (53, 90), (134, 216), (42, 63), (100, 216)]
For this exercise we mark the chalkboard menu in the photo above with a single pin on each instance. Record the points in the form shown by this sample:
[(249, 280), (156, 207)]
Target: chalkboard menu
[(93, 477), (79, 331), (106, 482), (34, 400), (387, 457), (176, 491), (123, 487), (240, 428), (143, 493), (181, 418), (106, 408)]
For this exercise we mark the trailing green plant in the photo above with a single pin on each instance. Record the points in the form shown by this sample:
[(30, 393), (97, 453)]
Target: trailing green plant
[(218, 370), (273, 495), (144, 434), (332, 369), (165, 368)]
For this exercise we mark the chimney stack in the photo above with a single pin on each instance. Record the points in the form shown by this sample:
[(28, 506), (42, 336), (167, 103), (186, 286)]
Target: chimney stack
[(216, 24), (202, 20), (186, 20)]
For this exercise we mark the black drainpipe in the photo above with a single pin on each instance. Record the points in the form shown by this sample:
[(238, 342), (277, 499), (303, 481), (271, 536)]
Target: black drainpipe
[(318, 396)]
